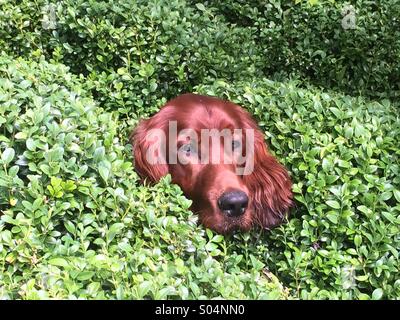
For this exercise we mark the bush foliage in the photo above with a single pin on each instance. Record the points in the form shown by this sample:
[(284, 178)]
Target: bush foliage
[(177, 44), (76, 76), (352, 46), (77, 223), (343, 239)]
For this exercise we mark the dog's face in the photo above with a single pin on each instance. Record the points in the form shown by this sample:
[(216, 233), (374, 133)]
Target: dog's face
[(208, 161), (215, 152)]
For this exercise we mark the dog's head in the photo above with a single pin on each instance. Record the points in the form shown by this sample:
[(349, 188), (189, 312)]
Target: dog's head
[(215, 152)]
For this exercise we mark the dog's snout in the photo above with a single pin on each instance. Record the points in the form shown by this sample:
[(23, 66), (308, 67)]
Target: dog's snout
[(233, 203)]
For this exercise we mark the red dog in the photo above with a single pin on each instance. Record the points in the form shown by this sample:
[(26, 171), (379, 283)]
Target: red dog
[(231, 188)]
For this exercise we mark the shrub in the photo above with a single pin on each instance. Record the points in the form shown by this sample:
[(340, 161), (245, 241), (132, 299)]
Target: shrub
[(306, 40), (171, 46), (342, 241), (135, 52), (75, 221)]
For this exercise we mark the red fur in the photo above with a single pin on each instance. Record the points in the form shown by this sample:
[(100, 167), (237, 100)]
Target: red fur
[(268, 186)]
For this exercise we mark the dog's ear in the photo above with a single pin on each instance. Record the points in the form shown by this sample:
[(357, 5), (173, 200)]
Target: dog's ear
[(148, 146), (269, 185), (268, 181)]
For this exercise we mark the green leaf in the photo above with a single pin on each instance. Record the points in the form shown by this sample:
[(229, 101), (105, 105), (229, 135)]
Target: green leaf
[(333, 204), (389, 216), (165, 292), (114, 230), (324, 253), (146, 70), (326, 165), (200, 6), (8, 155), (357, 240), (396, 194), (377, 294), (144, 288), (364, 209), (58, 262), (99, 154), (359, 130), (385, 196), (82, 170), (20, 135), (6, 236), (362, 278), (31, 144), (363, 296), (45, 169), (85, 275), (37, 203), (38, 117), (121, 71), (55, 155), (13, 171), (332, 217), (70, 227), (104, 169), (348, 133)]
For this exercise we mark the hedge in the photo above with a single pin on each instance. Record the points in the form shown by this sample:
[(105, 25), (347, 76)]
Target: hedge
[(343, 153), (162, 47), (305, 39), (76, 223), (178, 44)]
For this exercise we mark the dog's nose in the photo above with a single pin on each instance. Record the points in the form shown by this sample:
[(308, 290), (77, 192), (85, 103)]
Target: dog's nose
[(233, 203)]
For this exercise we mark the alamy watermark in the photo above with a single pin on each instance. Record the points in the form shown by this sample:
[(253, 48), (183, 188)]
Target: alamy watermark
[(349, 17), (186, 146), (348, 275), (49, 18)]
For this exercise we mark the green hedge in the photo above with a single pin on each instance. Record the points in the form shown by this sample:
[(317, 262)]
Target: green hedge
[(343, 153), (136, 50), (76, 223), (305, 39), (174, 45)]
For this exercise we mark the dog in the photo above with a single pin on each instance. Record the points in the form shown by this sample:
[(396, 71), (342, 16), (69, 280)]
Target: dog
[(215, 152)]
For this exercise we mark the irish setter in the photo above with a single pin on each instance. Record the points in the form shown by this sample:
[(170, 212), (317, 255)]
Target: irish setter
[(200, 141)]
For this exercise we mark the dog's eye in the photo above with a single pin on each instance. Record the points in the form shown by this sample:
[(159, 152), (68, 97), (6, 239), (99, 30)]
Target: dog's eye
[(235, 144)]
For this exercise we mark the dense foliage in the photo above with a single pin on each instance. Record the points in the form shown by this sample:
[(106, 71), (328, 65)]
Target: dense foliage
[(352, 46), (76, 222), (76, 76), (343, 152)]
